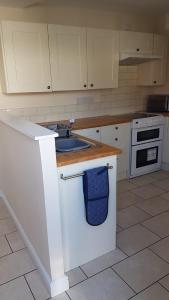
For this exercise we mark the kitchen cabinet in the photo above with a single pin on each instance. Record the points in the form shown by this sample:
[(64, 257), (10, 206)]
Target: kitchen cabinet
[(25, 65), (81, 241), (154, 73), (136, 42), (91, 133), (83, 58), (114, 135), (102, 58), (118, 136), (68, 57)]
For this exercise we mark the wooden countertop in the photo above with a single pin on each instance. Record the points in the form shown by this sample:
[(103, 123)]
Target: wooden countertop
[(97, 150), (93, 122)]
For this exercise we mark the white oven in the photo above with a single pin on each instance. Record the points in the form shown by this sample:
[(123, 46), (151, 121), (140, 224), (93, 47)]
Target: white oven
[(146, 135), (145, 158), (146, 144)]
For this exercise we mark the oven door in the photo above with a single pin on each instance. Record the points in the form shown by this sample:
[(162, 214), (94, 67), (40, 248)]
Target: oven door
[(146, 135), (145, 158)]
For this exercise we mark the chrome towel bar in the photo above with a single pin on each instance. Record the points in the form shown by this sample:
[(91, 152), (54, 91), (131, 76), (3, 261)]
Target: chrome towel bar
[(79, 174)]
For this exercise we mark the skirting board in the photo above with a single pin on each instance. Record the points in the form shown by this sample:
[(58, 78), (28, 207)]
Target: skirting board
[(55, 287)]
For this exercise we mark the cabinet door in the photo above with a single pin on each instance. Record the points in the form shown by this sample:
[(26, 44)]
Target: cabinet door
[(154, 73), (25, 57), (136, 42), (68, 57), (91, 133), (103, 58), (118, 136)]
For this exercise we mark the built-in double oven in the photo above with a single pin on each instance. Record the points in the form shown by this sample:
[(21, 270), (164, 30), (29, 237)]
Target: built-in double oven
[(146, 145)]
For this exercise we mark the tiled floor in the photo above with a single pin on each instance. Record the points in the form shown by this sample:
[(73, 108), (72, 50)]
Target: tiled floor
[(138, 269)]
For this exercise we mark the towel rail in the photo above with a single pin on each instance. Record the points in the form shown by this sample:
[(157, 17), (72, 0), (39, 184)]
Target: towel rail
[(79, 174)]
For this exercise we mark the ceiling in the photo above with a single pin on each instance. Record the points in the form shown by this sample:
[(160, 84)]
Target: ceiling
[(156, 7)]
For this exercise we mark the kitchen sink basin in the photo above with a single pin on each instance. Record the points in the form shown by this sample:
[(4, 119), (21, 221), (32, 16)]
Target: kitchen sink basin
[(70, 144)]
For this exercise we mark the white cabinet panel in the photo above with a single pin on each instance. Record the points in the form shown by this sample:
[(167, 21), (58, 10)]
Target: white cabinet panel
[(91, 133), (136, 42), (81, 241), (165, 156), (154, 73), (103, 58), (25, 57), (119, 136), (68, 57)]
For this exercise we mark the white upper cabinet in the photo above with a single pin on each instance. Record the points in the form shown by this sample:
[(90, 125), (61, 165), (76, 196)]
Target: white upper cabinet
[(103, 58), (136, 42), (68, 57), (83, 58), (25, 53), (154, 73)]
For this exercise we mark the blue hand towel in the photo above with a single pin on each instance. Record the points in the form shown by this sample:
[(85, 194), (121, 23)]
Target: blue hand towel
[(96, 195)]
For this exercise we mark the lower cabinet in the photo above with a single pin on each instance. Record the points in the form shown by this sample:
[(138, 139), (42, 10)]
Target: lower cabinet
[(165, 155), (118, 136), (114, 135), (81, 241)]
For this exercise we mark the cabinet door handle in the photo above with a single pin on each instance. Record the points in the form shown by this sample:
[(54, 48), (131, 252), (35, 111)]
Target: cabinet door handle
[(92, 85), (138, 49), (48, 87), (85, 85), (97, 130), (154, 81), (116, 127), (116, 139)]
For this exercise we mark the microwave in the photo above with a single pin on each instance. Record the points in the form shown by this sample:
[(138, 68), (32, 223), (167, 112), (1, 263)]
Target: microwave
[(158, 103)]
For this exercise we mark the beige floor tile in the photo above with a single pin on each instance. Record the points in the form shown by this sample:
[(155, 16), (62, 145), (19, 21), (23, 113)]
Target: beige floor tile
[(165, 196), (126, 199), (103, 262), (154, 206), (159, 224), (148, 191), (37, 286), (118, 228), (162, 249), (142, 269), (15, 290), (155, 292), (4, 247), (14, 265), (3, 210), (163, 184), (103, 286), (124, 185), (165, 282), (142, 180), (135, 238), (75, 276), (131, 216), (62, 296), (7, 226), (15, 241), (160, 175)]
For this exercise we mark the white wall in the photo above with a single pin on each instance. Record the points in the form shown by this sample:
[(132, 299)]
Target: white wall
[(29, 187)]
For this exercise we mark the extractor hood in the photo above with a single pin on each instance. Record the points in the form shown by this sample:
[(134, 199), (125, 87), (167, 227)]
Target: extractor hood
[(132, 59)]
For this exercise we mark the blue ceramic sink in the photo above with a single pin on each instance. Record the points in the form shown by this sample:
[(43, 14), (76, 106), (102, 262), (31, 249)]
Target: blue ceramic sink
[(70, 144)]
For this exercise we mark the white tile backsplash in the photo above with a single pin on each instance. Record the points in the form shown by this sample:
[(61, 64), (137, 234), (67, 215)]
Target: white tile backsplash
[(78, 104)]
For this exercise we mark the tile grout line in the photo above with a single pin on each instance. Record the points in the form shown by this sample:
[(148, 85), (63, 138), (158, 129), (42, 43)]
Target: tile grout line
[(83, 271), (8, 243), (29, 287), (163, 285)]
